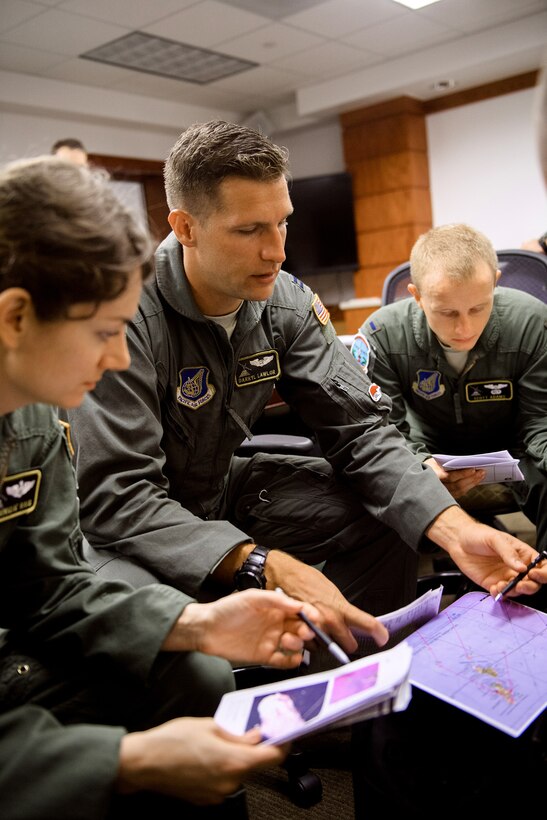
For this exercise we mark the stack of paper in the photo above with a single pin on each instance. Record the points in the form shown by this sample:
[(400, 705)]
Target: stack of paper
[(287, 709), (500, 466)]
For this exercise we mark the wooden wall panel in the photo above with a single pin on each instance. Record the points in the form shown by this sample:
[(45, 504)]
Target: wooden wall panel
[(393, 172), (385, 148), (404, 207)]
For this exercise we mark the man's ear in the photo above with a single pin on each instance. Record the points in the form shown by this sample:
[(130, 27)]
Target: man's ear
[(182, 224), (15, 309), (413, 290), (498, 274)]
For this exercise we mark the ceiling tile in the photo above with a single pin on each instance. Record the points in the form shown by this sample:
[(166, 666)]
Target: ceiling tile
[(128, 13), (14, 12), (273, 9), (270, 43), (337, 17), (195, 25), (26, 60), (327, 60), (401, 36), (64, 33)]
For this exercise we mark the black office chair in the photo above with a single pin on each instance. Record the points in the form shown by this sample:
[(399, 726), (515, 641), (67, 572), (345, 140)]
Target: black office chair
[(523, 270)]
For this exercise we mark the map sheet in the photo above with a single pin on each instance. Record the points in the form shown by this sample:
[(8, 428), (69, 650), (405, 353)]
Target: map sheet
[(487, 658)]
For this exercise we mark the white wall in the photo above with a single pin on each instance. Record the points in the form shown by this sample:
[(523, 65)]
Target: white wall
[(484, 168)]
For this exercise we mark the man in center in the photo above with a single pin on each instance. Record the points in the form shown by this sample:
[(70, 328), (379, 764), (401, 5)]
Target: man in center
[(219, 327)]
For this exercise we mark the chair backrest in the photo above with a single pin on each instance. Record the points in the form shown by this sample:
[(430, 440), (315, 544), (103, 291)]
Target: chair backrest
[(395, 284), (523, 270)]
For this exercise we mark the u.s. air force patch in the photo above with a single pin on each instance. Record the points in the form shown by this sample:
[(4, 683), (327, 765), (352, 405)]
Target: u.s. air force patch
[(258, 367), (19, 494), (193, 389), (320, 310), (428, 384)]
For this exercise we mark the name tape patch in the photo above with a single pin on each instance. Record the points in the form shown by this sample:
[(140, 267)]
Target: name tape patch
[(19, 494), (258, 367), (489, 391)]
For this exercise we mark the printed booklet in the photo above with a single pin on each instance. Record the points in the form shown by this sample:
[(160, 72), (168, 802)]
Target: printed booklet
[(500, 467), (287, 709)]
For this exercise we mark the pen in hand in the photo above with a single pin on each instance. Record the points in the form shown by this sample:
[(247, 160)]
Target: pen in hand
[(512, 584), (335, 650)]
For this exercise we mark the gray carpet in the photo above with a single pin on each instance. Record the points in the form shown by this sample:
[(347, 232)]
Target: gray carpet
[(328, 756)]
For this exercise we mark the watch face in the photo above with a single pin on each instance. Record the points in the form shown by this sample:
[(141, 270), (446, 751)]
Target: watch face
[(249, 580)]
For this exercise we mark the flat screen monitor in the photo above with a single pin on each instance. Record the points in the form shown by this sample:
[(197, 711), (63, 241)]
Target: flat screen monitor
[(321, 236)]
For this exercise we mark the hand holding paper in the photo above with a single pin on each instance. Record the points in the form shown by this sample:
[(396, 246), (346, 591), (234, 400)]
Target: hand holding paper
[(500, 466)]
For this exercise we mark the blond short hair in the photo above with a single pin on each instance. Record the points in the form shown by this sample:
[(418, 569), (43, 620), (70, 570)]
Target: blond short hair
[(454, 249)]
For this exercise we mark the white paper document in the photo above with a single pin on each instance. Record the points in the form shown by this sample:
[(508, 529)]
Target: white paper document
[(500, 466), (287, 709), (402, 622)]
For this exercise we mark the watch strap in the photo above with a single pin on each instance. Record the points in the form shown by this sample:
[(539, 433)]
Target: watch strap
[(254, 564)]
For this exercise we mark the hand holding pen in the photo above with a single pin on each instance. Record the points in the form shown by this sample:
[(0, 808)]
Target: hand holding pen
[(512, 584), (335, 650)]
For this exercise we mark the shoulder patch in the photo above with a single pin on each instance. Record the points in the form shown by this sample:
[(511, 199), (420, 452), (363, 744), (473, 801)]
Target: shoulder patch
[(321, 313), (193, 389), (375, 392), (19, 494), (360, 350)]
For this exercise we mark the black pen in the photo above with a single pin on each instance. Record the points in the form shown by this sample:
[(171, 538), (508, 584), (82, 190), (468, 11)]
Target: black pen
[(335, 650), (521, 575)]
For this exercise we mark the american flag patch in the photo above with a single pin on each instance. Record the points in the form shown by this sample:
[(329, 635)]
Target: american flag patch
[(320, 310)]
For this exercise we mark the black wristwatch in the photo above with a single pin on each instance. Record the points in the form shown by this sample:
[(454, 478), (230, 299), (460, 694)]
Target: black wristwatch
[(251, 573), (543, 242)]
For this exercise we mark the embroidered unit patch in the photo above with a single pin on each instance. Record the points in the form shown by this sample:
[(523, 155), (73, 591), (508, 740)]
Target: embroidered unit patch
[(489, 391), (194, 390), (258, 367), (320, 310), (19, 494), (375, 392), (428, 384), (360, 349)]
